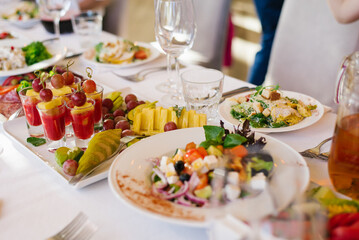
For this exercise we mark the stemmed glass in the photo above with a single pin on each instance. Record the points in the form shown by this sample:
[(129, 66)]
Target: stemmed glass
[(55, 9), (175, 30)]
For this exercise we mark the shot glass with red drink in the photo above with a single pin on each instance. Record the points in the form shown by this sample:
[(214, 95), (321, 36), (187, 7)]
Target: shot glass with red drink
[(52, 116), (97, 97), (82, 121), (29, 99)]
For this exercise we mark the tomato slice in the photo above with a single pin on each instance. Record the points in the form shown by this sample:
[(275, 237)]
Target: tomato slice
[(192, 155), (190, 145), (6, 89), (141, 54), (239, 151), (203, 181), (202, 151)]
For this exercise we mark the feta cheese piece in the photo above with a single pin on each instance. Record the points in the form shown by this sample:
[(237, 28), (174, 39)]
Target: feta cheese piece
[(163, 163), (170, 170), (172, 179), (197, 165), (232, 191), (259, 181), (210, 161), (233, 178)]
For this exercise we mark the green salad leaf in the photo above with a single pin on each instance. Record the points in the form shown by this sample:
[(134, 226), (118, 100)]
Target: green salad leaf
[(36, 141), (23, 84), (98, 49), (35, 52)]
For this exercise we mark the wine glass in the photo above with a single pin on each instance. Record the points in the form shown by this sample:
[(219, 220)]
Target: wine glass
[(55, 9), (175, 30)]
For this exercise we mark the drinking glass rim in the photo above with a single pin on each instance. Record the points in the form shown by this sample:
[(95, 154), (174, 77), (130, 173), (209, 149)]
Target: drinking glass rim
[(81, 108), (219, 79), (100, 91)]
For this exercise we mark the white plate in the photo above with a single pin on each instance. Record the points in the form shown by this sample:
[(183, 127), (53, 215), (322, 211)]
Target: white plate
[(57, 51), (224, 111), (24, 24), (88, 58), (17, 131), (129, 178)]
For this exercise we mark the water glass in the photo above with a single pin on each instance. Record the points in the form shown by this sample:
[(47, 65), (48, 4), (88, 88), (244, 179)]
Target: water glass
[(88, 27), (53, 122), (202, 90), (29, 99), (82, 122)]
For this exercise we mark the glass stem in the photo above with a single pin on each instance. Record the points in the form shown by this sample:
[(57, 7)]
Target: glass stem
[(177, 79), (57, 26), (171, 80)]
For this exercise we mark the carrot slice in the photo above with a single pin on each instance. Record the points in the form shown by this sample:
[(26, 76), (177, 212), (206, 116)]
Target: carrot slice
[(239, 151)]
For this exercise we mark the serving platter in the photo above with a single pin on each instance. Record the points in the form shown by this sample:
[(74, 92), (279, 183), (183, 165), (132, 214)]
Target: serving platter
[(224, 111), (88, 57), (129, 179), (57, 50), (16, 129)]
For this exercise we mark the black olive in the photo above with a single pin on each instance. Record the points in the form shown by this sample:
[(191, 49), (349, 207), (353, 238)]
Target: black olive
[(179, 166), (184, 177)]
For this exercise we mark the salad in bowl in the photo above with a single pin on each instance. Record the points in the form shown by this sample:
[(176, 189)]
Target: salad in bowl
[(186, 176)]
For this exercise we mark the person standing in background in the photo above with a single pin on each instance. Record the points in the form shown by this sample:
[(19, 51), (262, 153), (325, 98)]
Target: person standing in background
[(345, 11), (268, 12)]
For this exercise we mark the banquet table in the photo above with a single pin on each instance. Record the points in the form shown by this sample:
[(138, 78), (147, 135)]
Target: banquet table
[(35, 203)]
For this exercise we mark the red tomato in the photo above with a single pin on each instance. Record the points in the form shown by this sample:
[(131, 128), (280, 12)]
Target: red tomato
[(239, 151), (190, 145), (141, 54), (202, 151), (192, 155), (203, 181), (344, 233)]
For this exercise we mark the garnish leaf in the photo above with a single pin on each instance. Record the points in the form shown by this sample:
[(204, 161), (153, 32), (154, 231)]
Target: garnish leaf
[(233, 140), (178, 110), (214, 133), (36, 141)]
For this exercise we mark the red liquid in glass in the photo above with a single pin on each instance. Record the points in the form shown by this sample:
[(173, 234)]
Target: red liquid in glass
[(83, 124), (54, 124), (344, 157), (31, 112), (98, 110)]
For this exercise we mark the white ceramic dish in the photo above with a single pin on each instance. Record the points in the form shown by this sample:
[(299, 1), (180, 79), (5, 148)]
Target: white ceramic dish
[(17, 131), (129, 179), (57, 51), (224, 111), (88, 58), (25, 24)]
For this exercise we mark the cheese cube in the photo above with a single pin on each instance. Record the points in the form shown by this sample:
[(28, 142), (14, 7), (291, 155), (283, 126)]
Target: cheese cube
[(172, 179), (258, 181), (197, 165), (257, 107), (170, 170), (232, 191), (210, 161), (163, 163), (266, 112), (233, 178)]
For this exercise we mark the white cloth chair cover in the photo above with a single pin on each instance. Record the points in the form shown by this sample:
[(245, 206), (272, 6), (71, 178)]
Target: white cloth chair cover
[(308, 48)]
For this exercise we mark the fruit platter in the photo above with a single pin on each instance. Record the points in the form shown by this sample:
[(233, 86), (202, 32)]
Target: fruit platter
[(74, 124)]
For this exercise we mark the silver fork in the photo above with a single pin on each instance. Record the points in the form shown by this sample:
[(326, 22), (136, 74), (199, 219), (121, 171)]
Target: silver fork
[(80, 228), (315, 151), (137, 77)]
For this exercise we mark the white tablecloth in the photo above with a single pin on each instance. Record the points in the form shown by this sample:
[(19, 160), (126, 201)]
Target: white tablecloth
[(35, 203)]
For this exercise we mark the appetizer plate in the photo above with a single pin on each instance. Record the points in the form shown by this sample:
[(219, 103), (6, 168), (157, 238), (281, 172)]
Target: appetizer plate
[(89, 58), (16, 129), (224, 111), (57, 51), (24, 24), (129, 179)]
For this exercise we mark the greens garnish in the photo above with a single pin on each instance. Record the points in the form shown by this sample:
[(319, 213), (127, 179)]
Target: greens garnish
[(36, 141), (35, 52), (260, 88), (178, 110), (23, 84)]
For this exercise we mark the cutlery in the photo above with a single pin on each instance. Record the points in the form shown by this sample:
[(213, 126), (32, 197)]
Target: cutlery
[(235, 92), (15, 114), (78, 177), (137, 77), (315, 151), (79, 228)]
